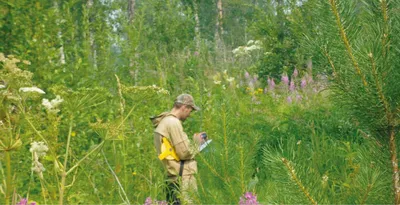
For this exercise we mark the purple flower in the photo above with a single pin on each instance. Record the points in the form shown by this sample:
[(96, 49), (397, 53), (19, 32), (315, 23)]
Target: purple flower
[(289, 99), (24, 201), (295, 73), (271, 83), (285, 79), (292, 87), (162, 202), (248, 199), (196, 53), (303, 83), (148, 201), (247, 75)]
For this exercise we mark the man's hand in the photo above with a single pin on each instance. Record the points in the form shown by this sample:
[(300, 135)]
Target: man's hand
[(198, 138)]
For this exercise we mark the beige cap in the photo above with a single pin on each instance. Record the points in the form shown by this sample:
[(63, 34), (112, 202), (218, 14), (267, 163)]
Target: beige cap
[(186, 99)]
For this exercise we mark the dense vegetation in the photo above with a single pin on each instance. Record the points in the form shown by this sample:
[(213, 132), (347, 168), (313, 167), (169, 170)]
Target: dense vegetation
[(300, 98)]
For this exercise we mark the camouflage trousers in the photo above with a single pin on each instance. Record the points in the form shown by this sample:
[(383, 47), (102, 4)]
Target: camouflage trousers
[(180, 189)]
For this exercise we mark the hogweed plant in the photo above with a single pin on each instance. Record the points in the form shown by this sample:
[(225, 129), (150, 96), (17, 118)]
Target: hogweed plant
[(16, 89)]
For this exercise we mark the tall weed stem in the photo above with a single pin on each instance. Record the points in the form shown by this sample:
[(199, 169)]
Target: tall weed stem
[(8, 177), (64, 168)]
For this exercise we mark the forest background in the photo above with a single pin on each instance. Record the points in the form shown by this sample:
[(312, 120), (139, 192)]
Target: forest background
[(300, 98)]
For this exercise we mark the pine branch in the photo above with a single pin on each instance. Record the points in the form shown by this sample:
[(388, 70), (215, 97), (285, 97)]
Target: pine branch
[(297, 181), (346, 41)]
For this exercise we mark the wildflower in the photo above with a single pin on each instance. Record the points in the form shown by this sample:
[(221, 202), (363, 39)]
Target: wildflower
[(292, 86), (250, 42), (325, 178), (38, 150), (2, 86), (196, 53), (247, 75), (32, 89), (265, 90), (26, 62), (289, 99), (251, 48), (2, 57), (271, 83), (51, 106), (248, 199), (161, 202), (303, 83), (217, 82), (298, 142), (24, 201), (148, 201), (39, 147), (285, 79), (230, 79), (295, 73)]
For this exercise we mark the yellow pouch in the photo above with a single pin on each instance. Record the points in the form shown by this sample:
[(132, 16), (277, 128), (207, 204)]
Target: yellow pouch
[(167, 151)]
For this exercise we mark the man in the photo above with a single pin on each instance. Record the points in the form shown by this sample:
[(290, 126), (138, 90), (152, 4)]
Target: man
[(176, 151)]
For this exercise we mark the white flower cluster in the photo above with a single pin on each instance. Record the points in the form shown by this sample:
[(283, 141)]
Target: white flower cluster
[(31, 89), (38, 149), (245, 50), (51, 106), (2, 86)]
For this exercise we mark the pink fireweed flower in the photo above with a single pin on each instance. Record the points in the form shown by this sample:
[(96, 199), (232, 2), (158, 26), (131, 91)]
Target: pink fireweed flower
[(248, 199), (24, 201), (289, 99), (247, 75), (285, 79), (303, 83), (148, 201), (292, 86), (295, 73), (271, 83)]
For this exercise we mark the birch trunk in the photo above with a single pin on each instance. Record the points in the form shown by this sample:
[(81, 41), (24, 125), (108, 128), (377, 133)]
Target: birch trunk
[(197, 27), (219, 44), (131, 18), (91, 38), (59, 34)]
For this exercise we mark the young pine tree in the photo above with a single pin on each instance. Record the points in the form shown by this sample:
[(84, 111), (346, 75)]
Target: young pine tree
[(365, 68)]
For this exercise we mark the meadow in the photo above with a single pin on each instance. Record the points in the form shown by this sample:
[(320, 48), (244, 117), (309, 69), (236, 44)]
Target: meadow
[(311, 118)]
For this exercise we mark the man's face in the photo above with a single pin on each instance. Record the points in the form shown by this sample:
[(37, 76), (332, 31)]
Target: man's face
[(186, 110)]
